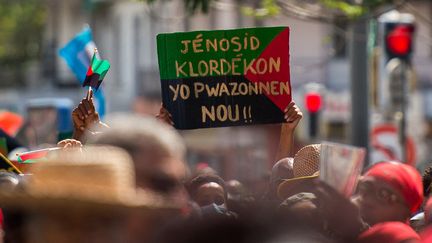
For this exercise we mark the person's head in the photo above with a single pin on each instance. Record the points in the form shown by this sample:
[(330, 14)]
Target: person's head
[(389, 232), (206, 189), (282, 170), (388, 191), (428, 212), (305, 171), (427, 181), (156, 149), (301, 207)]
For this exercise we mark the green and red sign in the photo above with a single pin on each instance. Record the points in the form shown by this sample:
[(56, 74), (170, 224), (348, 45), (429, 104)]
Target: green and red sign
[(225, 78)]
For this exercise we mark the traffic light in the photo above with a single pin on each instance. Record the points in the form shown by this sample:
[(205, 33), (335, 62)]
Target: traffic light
[(399, 40), (395, 45), (313, 102), (396, 35)]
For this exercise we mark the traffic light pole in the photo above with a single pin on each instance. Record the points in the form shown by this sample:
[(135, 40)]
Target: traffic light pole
[(402, 117), (313, 125), (359, 85), (397, 37)]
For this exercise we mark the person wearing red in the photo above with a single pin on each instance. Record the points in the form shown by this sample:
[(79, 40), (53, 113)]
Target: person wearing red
[(389, 232), (389, 191)]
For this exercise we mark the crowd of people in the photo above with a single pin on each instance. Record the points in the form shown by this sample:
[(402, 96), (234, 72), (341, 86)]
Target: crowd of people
[(126, 180)]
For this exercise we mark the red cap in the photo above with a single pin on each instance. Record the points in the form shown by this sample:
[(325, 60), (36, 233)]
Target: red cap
[(388, 232), (404, 178)]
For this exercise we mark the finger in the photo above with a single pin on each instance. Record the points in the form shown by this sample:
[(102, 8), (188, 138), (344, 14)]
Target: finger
[(67, 146), (80, 114), (292, 112), (290, 115), (61, 143), (83, 110), (293, 109), (77, 144), (89, 94), (76, 118), (92, 106), (87, 107), (294, 117), (291, 104)]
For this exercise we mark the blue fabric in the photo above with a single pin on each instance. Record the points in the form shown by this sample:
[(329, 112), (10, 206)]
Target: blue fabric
[(77, 54)]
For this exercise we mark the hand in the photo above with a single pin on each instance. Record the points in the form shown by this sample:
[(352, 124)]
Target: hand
[(293, 115), (341, 216), (165, 116), (84, 115), (69, 144)]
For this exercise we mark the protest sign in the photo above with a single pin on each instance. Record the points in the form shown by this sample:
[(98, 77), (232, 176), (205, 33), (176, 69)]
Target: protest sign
[(340, 166), (226, 77)]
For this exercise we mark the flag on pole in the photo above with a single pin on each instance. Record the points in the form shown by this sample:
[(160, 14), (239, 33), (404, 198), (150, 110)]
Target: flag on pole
[(96, 72), (35, 155), (77, 54)]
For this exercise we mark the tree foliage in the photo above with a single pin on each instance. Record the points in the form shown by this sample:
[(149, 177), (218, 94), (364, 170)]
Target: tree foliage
[(267, 8), (21, 29), (350, 8), (192, 5), (353, 10)]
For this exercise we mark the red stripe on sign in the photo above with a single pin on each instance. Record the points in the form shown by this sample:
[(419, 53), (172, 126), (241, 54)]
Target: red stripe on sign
[(266, 68)]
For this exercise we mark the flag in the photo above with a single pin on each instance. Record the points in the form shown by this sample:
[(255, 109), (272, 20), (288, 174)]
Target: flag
[(77, 54), (96, 72), (35, 155)]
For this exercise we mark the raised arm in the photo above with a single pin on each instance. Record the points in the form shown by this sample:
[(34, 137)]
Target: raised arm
[(85, 117), (293, 115)]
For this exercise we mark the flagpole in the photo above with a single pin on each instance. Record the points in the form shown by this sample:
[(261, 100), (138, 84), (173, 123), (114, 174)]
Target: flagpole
[(88, 93), (38, 151)]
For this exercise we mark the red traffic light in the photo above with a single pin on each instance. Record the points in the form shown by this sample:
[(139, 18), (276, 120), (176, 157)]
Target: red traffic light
[(399, 40), (313, 102)]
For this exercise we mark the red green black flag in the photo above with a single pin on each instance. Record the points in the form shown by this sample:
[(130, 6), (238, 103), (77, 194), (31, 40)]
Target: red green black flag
[(96, 72)]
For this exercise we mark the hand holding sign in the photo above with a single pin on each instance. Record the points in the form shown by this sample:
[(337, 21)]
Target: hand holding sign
[(293, 115), (165, 116)]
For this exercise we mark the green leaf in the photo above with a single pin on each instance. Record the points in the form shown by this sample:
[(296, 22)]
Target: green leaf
[(268, 8)]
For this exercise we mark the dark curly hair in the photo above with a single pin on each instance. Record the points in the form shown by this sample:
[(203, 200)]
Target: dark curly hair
[(427, 180), (193, 184)]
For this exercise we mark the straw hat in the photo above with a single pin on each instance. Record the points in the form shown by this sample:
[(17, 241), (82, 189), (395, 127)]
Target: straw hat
[(305, 167), (98, 178)]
